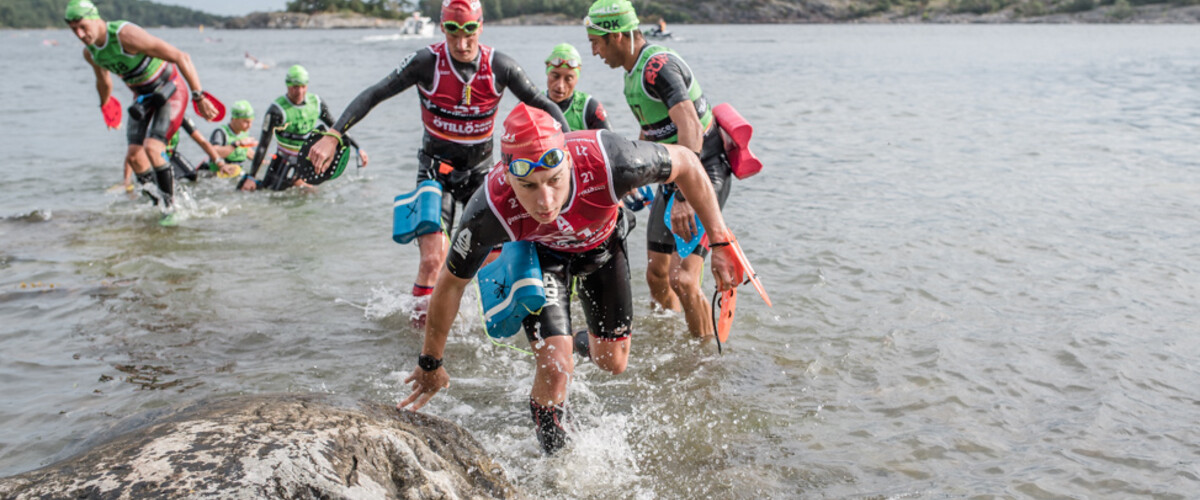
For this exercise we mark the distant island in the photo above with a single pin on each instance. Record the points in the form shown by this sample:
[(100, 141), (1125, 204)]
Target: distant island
[(325, 14)]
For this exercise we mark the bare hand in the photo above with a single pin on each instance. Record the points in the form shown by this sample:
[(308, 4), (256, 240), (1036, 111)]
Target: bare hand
[(726, 268), (249, 185), (363, 156), (683, 220), (425, 385), (228, 169), (207, 110), (321, 153)]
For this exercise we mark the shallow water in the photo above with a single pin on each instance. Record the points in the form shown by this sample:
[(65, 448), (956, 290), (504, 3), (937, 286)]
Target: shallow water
[(980, 240)]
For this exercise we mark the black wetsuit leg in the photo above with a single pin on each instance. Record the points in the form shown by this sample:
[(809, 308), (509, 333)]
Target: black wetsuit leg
[(467, 171), (603, 286), (183, 168)]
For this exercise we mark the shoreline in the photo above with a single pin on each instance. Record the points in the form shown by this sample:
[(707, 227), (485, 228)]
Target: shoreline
[(1109, 14)]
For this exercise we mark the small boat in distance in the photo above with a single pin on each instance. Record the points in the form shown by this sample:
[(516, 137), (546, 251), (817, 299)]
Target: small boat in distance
[(417, 26)]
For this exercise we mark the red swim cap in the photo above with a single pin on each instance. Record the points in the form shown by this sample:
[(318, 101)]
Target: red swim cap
[(461, 11), (528, 133)]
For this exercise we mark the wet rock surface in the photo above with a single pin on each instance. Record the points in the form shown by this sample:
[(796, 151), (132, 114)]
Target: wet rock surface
[(275, 446)]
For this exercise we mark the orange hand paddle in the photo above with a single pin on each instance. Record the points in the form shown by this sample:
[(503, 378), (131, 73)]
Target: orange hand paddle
[(723, 306), (762, 292), (112, 112)]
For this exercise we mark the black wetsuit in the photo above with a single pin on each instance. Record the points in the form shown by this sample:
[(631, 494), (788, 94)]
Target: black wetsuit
[(468, 164), (603, 271), (279, 176), (670, 85), (182, 167)]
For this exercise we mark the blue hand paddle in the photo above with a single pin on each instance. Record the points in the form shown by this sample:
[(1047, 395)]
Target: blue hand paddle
[(685, 248)]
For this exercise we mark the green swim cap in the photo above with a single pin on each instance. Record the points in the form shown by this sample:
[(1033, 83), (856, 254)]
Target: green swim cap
[(563, 53), (81, 9), (242, 109), (611, 16), (297, 75)]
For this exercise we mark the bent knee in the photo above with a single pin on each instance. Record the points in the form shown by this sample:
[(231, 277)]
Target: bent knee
[(684, 281), (610, 365)]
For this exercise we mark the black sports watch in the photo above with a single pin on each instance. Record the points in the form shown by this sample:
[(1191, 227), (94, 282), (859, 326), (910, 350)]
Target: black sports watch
[(197, 95), (428, 363)]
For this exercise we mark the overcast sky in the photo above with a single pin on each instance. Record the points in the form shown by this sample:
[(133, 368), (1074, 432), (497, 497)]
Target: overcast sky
[(229, 7)]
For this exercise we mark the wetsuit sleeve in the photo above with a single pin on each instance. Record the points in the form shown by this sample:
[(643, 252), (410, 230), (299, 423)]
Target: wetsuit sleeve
[(188, 126), (327, 119), (635, 163), (478, 232), (418, 67), (595, 117), (273, 119), (510, 75), (670, 81), (218, 137)]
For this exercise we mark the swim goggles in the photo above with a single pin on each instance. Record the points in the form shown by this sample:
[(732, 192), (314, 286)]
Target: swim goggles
[(521, 167), (559, 62), (469, 27)]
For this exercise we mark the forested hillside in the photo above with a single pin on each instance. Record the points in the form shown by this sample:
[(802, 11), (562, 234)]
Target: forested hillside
[(49, 13)]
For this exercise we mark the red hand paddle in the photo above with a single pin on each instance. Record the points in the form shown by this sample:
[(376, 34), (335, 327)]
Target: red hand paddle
[(112, 112)]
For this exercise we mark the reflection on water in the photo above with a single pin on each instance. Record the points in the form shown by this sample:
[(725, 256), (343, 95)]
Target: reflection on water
[(980, 241)]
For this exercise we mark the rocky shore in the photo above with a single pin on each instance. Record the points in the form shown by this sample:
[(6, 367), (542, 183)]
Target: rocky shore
[(274, 446)]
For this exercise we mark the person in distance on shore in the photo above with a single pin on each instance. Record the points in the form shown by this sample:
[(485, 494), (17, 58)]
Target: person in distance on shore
[(563, 193), (156, 72), (668, 103), (460, 82)]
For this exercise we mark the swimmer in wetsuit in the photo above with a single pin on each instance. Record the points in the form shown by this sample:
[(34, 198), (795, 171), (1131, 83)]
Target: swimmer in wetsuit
[(668, 103), (233, 140), (562, 192), (156, 72), (460, 83), (582, 111), (290, 119)]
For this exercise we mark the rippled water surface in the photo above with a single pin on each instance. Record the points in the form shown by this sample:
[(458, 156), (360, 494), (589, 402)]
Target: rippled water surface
[(981, 242)]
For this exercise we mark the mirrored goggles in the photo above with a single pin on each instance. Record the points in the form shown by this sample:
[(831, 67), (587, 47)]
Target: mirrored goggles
[(550, 159), (559, 62), (469, 27)]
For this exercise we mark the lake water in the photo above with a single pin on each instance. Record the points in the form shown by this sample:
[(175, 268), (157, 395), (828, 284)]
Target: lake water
[(981, 241)]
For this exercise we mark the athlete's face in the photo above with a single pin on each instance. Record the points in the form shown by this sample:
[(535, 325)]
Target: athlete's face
[(297, 93), (608, 49), (88, 31), (240, 125), (543, 192), (561, 83), (463, 47)]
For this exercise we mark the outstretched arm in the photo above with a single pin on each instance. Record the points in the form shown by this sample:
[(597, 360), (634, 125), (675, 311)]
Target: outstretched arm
[(136, 40), (689, 175), (417, 68), (478, 232), (103, 80)]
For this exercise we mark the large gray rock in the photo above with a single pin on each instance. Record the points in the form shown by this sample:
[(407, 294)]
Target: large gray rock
[(276, 446)]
